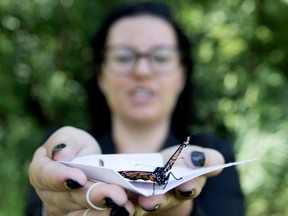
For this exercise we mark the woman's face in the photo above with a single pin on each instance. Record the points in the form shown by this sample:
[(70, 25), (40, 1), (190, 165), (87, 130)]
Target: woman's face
[(143, 89)]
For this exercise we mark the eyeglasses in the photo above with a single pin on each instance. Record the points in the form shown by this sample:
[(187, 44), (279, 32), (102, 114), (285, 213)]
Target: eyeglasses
[(121, 60)]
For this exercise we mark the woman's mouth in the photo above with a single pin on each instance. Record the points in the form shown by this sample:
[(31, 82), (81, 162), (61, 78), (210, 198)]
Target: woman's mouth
[(142, 95)]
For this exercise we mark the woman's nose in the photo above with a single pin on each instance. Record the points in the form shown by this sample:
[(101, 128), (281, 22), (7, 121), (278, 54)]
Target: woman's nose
[(143, 67)]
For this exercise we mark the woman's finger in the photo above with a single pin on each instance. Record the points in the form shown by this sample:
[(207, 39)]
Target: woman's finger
[(65, 144), (68, 142), (151, 203), (101, 196), (196, 157), (59, 177), (190, 189), (165, 204)]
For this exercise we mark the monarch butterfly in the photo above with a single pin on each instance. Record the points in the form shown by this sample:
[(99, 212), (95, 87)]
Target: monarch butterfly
[(160, 175)]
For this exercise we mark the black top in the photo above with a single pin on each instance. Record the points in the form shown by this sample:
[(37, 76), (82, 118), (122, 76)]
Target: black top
[(221, 196)]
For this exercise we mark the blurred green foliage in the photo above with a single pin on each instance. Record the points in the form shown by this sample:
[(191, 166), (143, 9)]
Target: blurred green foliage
[(241, 53)]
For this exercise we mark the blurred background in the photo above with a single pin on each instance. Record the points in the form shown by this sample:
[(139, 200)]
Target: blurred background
[(241, 53)]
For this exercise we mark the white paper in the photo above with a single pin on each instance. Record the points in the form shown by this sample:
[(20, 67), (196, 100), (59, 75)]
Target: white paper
[(105, 168)]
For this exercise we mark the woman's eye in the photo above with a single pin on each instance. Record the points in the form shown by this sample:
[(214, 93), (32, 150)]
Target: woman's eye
[(161, 58), (124, 58)]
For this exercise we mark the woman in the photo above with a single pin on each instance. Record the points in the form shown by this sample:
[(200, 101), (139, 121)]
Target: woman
[(140, 102)]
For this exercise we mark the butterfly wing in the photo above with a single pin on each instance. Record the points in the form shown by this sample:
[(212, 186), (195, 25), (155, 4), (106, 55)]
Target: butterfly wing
[(138, 175), (174, 157)]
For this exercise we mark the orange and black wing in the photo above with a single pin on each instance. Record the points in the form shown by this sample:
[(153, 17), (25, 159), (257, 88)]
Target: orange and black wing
[(174, 157), (138, 175)]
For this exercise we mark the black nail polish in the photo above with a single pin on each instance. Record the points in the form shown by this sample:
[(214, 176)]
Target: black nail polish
[(198, 158), (109, 203), (153, 209), (119, 211), (71, 184), (187, 194), (57, 148)]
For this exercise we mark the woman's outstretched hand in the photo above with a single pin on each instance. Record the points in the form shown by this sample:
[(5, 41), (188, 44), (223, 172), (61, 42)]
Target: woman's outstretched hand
[(179, 201), (63, 189)]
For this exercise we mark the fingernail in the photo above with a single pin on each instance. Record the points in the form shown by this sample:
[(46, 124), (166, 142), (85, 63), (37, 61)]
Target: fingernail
[(109, 203), (57, 148), (119, 211), (153, 209), (187, 194), (198, 158), (71, 184)]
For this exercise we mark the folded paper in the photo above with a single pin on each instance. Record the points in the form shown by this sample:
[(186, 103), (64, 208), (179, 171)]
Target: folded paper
[(105, 168)]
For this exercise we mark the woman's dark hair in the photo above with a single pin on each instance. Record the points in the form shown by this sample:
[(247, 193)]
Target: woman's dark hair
[(100, 113)]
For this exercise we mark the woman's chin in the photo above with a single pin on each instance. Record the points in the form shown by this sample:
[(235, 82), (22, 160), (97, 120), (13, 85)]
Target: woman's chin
[(144, 118)]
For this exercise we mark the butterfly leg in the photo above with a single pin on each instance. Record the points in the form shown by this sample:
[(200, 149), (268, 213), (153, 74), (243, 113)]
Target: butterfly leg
[(153, 188), (167, 179), (165, 184), (170, 173)]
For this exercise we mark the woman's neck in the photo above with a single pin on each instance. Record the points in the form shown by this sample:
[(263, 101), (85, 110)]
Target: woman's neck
[(139, 138)]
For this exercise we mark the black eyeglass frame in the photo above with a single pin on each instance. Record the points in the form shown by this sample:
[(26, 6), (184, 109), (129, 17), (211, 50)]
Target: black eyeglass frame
[(138, 55)]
